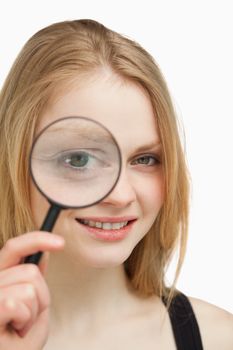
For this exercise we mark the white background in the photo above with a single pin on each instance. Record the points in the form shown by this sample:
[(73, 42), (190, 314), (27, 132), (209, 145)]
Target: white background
[(192, 42)]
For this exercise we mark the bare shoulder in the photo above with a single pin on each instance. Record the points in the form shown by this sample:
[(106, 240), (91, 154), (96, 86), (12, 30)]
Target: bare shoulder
[(216, 325)]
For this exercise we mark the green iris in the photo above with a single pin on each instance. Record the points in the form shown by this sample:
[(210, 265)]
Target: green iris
[(78, 160)]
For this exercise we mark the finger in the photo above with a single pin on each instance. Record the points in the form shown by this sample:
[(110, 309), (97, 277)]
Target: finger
[(27, 273), (18, 248), (26, 294), (12, 310), (40, 328), (29, 298)]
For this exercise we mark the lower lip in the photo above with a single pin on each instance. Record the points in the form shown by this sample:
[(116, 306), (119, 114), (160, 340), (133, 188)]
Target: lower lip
[(109, 235)]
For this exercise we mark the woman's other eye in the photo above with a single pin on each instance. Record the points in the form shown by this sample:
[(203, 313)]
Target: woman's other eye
[(146, 160)]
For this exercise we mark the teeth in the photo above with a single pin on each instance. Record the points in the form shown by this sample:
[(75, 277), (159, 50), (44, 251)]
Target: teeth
[(91, 223), (104, 225), (118, 225)]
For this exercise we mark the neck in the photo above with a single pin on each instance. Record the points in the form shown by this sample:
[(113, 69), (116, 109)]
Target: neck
[(80, 292)]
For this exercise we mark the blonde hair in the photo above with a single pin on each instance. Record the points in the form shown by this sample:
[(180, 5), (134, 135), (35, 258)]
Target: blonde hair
[(57, 54)]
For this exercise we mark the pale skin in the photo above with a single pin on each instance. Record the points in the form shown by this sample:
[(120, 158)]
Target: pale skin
[(84, 287)]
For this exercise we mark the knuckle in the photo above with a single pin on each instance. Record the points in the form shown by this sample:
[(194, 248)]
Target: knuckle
[(29, 291), (10, 245), (32, 271), (9, 304)]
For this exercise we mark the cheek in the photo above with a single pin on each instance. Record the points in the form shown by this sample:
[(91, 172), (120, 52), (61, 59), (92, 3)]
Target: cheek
[(152, 199), (152, 194)]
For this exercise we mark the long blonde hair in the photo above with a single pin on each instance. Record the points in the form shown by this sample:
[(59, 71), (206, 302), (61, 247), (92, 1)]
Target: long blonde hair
[(55, 55)]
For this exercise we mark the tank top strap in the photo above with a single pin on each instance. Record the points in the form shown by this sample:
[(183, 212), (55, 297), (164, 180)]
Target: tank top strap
[(184, 324)]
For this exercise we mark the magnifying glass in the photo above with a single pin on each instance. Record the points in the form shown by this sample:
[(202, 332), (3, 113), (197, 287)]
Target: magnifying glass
[(75, 162)]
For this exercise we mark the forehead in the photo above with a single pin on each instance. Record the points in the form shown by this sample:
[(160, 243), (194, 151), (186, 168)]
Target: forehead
[(121, 106)]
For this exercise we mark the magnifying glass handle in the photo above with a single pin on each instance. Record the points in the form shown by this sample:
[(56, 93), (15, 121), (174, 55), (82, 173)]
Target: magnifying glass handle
[(47, 225)]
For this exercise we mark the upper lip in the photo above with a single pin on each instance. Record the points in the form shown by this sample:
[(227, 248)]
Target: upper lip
[(108, 219)]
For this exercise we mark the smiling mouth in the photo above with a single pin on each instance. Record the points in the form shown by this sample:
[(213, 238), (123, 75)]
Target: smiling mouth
[(104, 225)]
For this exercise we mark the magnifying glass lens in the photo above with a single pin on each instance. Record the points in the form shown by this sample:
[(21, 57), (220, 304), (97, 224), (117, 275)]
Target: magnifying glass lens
[(75, 162)]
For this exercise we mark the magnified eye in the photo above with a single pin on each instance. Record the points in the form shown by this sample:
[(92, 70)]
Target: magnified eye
[(81, 161), (77, 160), (75, 164)]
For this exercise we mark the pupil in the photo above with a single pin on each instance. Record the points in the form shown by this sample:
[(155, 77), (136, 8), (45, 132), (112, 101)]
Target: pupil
[(78, 160)]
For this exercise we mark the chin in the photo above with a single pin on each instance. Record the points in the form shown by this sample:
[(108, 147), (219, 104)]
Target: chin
[(102, 258)]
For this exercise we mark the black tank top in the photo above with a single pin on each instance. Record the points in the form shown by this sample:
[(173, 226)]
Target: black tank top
[(184, 324)]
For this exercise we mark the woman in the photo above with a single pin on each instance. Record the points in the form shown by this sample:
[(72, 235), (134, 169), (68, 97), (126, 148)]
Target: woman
[(100, 290)]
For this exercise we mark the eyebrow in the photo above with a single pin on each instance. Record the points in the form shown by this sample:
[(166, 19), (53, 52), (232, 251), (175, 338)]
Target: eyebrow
[(149, 146), (100, 135)]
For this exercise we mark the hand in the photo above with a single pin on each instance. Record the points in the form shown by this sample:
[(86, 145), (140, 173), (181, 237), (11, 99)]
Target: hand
[(24, 294)]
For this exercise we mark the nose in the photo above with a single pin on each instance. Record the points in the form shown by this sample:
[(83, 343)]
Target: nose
[(123, 193)]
